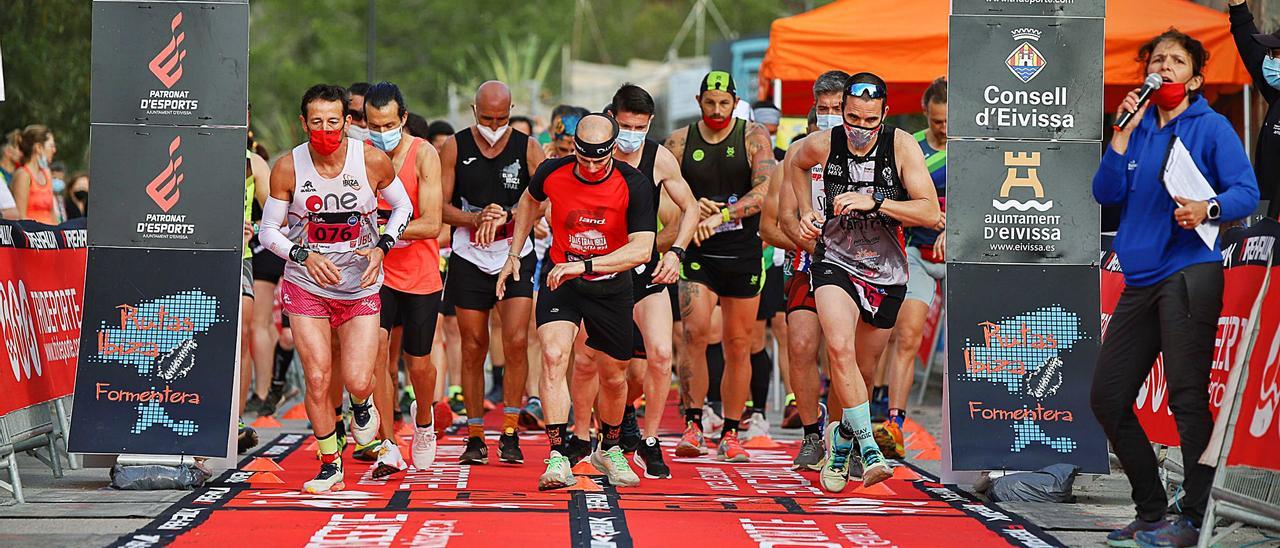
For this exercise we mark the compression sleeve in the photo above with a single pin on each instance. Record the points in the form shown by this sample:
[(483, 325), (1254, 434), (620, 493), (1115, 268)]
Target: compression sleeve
[(401, 208), (270, 234)]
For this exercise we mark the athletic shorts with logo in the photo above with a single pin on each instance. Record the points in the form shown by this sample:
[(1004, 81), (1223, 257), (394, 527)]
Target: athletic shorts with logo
[(923, 276), (246, 278), (415, 313), (877, 305), (800, 293), (734, 277), (603, 307), (474, 289), (300, 302)]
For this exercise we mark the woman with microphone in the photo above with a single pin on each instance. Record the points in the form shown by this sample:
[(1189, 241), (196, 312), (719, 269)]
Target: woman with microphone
[(1173, 281)]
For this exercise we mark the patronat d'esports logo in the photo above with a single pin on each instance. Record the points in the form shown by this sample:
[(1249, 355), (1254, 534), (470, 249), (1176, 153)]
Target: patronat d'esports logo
[(166, 66), (164, 187)]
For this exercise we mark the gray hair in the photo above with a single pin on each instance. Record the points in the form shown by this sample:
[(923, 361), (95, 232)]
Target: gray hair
[(831, 81)]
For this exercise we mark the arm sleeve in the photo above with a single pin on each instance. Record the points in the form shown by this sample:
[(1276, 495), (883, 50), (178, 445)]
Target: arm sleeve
[(641, 211), (401, 208), (270, 233), (1236, 182), (1251, 52), (1110, 183)]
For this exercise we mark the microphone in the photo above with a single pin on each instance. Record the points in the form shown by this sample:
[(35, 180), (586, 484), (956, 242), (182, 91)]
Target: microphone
[(1152, 83)]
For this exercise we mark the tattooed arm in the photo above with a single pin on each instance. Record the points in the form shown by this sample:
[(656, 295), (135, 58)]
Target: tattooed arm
[(760, 156)]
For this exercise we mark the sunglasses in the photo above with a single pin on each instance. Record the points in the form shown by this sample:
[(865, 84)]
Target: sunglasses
[(866, 90), (355, 115)]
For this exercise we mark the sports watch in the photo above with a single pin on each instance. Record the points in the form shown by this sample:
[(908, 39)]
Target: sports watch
[(299, 254), (679, 251), (1215, 210), (586, 264), (879, 199)]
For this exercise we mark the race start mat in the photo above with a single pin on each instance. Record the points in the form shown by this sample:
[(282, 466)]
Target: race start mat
[(706, 503)]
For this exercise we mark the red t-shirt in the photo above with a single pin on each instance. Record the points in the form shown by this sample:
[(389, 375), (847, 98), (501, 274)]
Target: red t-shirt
[(593, 219)]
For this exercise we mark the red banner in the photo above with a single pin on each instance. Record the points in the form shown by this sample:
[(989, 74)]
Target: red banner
[(41, 291), (929, 344), (1257, 431)]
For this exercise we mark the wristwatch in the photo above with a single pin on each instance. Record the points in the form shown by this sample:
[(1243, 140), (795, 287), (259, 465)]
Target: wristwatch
[(679, 251), (1215, 210), (879, 199), (587, 267), (299, 254)]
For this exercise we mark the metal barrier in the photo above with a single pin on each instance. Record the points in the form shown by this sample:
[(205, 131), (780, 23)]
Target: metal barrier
[(40, 431)]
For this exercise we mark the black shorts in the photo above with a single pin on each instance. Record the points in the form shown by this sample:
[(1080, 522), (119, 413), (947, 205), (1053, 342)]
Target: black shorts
[(246, 278), (735, 277), (772, 298), (474, 289), (417, 313), (267, 266), (878, 304), (642, 281), (637, 343), (446, 307), (800, 293), (603, 307), (674, 293)]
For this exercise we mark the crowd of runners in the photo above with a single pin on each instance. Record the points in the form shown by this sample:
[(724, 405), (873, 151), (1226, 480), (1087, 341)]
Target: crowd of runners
[(397, 257)]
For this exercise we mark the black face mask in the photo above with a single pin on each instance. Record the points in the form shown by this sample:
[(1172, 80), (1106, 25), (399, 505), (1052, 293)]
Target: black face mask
[(81, 195)]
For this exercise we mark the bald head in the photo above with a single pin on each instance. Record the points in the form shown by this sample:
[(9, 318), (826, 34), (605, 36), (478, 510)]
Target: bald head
[(493, 94), (595, 128)]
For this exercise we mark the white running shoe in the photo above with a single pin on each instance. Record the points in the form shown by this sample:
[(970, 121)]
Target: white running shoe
[(613, 464), (389, 460), (757, 425), (424, 440), (559, 473), (711, 421), (329, 479), (364, 422)]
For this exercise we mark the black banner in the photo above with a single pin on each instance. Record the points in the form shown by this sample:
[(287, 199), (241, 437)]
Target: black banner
[(1064, 8), (161, 184), (1021, 367), (157, 353), (170, 63)]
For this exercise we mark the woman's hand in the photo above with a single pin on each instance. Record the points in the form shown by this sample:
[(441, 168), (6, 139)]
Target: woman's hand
[(1120, 139), (1190, 213)]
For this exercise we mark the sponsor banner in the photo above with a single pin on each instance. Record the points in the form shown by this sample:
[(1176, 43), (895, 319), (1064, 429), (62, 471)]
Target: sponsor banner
[(170, 63), (41, 293), (159, 351), (1022, 202), (1066, 8), (164, 187), (1257, 432), (1026, 78), (1021, 367)]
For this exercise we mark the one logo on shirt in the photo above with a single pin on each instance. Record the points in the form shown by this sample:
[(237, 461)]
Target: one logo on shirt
[(1026, 61), (698, 155), (729, 152), (167, 65), (1023, 172), (511, 176), (468, 161), (350, 182), (308, 187), (163, 189), (332, 202)]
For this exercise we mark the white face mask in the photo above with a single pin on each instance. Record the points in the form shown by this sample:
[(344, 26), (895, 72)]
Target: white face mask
[(828, 121), (358, 133), (630, 141), (492, 135)]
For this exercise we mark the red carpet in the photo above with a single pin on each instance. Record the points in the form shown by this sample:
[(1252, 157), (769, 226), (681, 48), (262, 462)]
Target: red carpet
[(707, 503)]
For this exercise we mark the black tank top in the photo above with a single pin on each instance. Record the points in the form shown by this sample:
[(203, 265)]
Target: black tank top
[(480, 181), (648, 159), (721, 172)]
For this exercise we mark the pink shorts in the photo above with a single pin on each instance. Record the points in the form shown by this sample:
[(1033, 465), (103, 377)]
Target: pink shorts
[(300, 302)]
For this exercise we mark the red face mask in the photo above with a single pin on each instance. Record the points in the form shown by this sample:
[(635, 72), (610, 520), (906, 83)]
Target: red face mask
[(326, 142), (1170, 95), (716, 125)]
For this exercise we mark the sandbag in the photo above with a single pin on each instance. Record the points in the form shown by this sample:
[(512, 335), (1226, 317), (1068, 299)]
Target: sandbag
[(147, 477), (1049, 484)]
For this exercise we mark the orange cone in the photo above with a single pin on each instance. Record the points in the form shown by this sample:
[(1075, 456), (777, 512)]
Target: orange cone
[(585, 484), (262, 464), (905, 473), (585, 468), (314, 445), (761, 442), (267, 421), (266, 477), (879, 489), (298, 411), (405, 430), (929, 454)]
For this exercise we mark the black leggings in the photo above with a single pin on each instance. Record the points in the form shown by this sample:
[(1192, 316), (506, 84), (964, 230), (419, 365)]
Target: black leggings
[(1178, 316)]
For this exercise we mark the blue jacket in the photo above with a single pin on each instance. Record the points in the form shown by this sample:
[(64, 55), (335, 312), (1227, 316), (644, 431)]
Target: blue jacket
[(1149, 242)]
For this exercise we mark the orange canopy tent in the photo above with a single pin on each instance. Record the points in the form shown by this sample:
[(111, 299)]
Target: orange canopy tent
[(905, 42)]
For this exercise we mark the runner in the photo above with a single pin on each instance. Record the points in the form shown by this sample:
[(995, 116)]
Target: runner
[(650, 370), (727, 163), (925, 267), (358, 129), (603, 223), (484, 170), (875, 181), (411, 285), (805, 333), (334, 272), (255, 169)]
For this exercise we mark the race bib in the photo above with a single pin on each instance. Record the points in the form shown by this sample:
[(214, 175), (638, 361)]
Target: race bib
[(333, 232), (730, 226)]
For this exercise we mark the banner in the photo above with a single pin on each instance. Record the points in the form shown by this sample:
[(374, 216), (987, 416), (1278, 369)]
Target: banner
[(158, 353), (41, 287), (1069, 8), (1257, 431), (1021, 367)]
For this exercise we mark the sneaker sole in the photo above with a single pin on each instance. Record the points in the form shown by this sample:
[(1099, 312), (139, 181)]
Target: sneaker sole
[(474, 461), (689, 451), (554, 486), (876, 474), (332, 489), (510, 460), (645, 470), (384, 470), (740, 458), (1123, 543)]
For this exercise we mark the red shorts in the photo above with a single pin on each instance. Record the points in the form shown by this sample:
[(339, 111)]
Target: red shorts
[(799, 294), (300, 302)]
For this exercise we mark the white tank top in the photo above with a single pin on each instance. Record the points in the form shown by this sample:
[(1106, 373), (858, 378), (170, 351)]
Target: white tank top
[(817, 199), (334, 217)]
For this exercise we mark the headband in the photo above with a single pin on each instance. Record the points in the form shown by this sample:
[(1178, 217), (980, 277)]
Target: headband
[(596, 151)]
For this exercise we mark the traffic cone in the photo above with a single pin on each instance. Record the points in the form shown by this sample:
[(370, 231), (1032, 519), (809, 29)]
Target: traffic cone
[(585, 484), (298, 411), (905, 473), (266, 421), (931, 453), (761, 442), (266, 477), (879, 489), (585, 468), (262, 464)]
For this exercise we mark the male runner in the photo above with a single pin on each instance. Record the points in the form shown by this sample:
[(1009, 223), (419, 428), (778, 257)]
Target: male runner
[(484, 170), (925, 266), (255, 169), (334, 272), (358, 129), (411, 284), (602, 224), (874, 182), (727, 163)]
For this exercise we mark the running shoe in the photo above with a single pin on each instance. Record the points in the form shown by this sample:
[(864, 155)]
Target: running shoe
[(756, 425), (649, 459), (839, 451), (879, 409), (531, 417), (271, 403), (441, 418), (388, 460), (631, 436), (874, 468), (791, 414), (330, 477), (811, 453), (613, 464), (459, 424), (577, 449), (248, 438), (559, 473), (475, 453), (711, 418), (456, 403), (424, 440), (364, 422), (509, 448), (730, 450), (253, 404), (1124, 537), (693, 443), (889, 437), (493, 399), (367, 452), (1180, 532)]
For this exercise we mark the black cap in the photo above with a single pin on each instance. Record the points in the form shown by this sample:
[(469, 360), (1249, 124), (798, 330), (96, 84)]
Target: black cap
[(718, 80), (1269, 40)]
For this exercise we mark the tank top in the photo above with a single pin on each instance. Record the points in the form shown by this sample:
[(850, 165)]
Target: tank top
[(936, 162), (334, 217), (721, 172), (648, 159), (480, 181), (866, 246), (250, 189), (40, 197), (414, 265), (800, 260)]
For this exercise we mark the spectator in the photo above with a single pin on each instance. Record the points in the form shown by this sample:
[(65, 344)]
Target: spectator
[(523, 124), (439, 132), (357, 129), (76, 198), (10, 156), (33, 183), (1173, 281), (418, 126), (1261, 55)]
